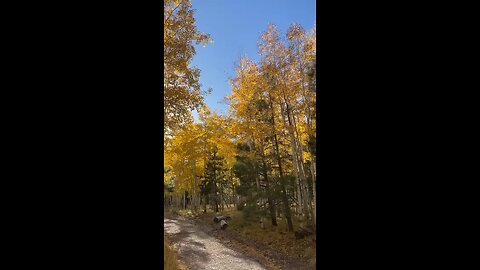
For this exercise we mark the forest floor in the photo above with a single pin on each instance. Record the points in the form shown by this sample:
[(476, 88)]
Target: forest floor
[(201, 244)]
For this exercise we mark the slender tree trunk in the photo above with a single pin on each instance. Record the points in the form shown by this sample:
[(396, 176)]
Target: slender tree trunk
[(194, 199), (314, 180), (215, 183), (296, 169), (185, 199), (215, 197), (271, 205), (286, 204), (307, 199), (205, 204), (221, 196), (310, 133), (257, 180), (205, 164)]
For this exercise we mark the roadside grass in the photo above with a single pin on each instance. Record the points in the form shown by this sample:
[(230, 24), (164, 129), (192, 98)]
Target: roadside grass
[(170, 261), (187, 213)]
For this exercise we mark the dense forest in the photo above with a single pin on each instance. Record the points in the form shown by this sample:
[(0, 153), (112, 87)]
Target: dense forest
[(258, 158)]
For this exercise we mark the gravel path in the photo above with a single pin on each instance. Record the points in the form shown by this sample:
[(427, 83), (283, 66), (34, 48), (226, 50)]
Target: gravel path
[(201, 251)]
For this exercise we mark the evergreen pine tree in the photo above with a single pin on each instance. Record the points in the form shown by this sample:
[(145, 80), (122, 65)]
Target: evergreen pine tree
[(215, 176)]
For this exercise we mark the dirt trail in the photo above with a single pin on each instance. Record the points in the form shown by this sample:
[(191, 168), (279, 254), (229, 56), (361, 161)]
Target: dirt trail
[(201, 251)]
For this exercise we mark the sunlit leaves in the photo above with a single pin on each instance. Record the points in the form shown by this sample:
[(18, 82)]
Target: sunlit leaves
[(271, 112), (181, 81)]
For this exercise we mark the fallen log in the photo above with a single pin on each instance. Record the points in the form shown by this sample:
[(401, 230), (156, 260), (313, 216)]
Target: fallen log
[(220, 218), (223, 224), (303, 232)]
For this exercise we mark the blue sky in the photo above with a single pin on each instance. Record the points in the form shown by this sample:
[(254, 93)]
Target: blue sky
[(235, 26)]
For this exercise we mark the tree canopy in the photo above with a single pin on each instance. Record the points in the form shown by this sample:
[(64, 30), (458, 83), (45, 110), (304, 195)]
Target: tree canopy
[(262, 153)]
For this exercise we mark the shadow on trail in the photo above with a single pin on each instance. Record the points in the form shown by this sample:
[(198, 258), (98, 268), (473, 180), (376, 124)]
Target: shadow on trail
[(236, 255), (194, 253), (190, 250), (202, 251)]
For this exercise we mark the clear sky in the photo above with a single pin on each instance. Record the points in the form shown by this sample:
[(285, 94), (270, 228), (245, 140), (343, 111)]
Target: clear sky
[(235, 26)]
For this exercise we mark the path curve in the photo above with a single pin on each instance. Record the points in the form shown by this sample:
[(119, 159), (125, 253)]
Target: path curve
[(201, 251)]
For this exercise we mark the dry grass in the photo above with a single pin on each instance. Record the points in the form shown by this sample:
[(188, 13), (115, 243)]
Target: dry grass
[(187, 213), (169, 257)]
